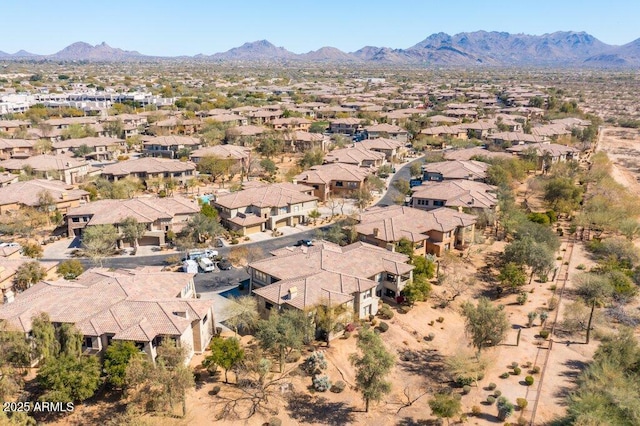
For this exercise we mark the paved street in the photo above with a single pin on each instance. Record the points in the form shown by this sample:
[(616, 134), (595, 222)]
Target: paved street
[(392, 192)]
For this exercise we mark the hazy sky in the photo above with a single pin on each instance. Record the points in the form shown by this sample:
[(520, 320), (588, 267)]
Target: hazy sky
[(188, 27)]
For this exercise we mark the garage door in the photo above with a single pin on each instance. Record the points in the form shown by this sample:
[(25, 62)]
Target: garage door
[(282, 222), (252, 229), (149, 241)]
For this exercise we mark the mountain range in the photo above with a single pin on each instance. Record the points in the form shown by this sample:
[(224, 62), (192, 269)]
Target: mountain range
[(562, 48)]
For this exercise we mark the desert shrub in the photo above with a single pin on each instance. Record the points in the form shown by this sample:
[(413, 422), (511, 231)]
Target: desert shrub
[(522, 298), (440, 319), (544, 333), (466, 389), (517, 371), (581, 267), (429, 337), (293, 356), (338, 386), (476, 410), (497, 394), (215, 390), (528, 380), (535, 370), (490, 400), (514, 364), (350, 328), (315, 363), (462, 381), (492, 386), (522, 403), (385, 312), (383, 327), (274, 421), (346, 335), (321, 383), (553, 303), (404, 309), (504, 375)]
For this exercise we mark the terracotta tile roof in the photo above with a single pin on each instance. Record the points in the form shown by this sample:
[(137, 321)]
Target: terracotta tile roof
[(15, 143), (353, 155), (223, 151), (172, 140), (147, 165), (468, 153), (381, 143), (358, 260), (394, 222), (554, 149), (516, 137), (384, 127), (8, 267), (348, 121), (145, 210), (132, 304), (44, 163), (333, 172), (458, 169), (274, 195), (458, 193), (249, 130), (91, 142), (27, 192)]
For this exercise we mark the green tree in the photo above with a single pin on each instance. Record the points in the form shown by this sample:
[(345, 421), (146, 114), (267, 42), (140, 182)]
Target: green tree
[(270, 145), (209, 211), (114, 128), (116, 361), (70, 340), (362, 198), (242, 313), (45, 344), (418, 290), (99, 241), (445, 405), (132, 230), (82, 151), (486, 324), (505, 408), (319, 127), (330, 318), (201, 228), (562, 194), (32, 250), (69, 378), (405, 246), (415, 169), (595, 290), (215, 167), (372, 364), (269, 166), (512, 276), (70, 269), (27, 274), (314, 215), (312, 158), (402, 186), (225, 353), (279, 333), (423, 266)]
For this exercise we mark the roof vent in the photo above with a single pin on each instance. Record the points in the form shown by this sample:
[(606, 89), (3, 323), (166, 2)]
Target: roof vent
[(181, 314), (376, 232), (293, 292)]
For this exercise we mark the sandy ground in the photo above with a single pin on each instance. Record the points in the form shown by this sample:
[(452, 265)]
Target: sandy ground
[(623, 148)]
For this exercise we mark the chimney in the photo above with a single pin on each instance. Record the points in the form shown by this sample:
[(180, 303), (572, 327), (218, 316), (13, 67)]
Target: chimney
[(294, 181), (63, 195), (8, 297), (376, 232), (293, 292)]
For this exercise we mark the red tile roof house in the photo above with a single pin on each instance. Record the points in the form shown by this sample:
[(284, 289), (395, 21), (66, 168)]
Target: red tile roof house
[(291, 123), (168, 146), (432, 232), (334, 180), (299, 141), (347, 126), (101, 148), (160, 215), (149, 168), (56, 167), (460, 194), (355, 276), (16, 148), (266, 206), (9, 266), (393, 150), (357, 155), (387, 131), (446, 170), (27, 193), (144, 306), (546, 152), (238, 154)]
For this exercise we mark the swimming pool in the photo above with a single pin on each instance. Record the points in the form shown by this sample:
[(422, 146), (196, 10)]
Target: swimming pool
[(204, 199), (232, 292)]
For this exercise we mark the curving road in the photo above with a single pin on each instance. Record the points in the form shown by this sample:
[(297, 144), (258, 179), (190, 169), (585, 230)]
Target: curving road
[(392, 192)]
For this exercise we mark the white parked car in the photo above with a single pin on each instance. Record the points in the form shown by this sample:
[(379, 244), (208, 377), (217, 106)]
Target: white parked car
[(206, 264)]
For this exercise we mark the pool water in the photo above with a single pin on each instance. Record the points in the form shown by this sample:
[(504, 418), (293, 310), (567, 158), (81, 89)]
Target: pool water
[(232, 292), (205, 199)]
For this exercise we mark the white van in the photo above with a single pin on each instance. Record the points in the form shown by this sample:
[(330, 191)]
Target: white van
[(206, 264)]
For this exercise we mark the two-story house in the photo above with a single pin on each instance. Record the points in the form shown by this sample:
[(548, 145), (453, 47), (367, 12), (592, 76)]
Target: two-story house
[(16, 148), (291, 123), (334, 179), (463, 169), (31, 193), (460, 194), (265, 206), (355, 276), (346, 126), (145, 306), (387, 131), (98, 148), (159, 215), (150, 168), (169, 146), (393, 150), (55, 167), (432, 232), (357, 155)]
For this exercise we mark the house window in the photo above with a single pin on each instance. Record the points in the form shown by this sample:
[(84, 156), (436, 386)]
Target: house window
[(261, 276), (447, 247), (447, 234), (88, 342), (438, 203), (75, 219), (339, 183), (389, 293), (367, 294), (352, 184), (391, 277), (204, 320), (268, 306)]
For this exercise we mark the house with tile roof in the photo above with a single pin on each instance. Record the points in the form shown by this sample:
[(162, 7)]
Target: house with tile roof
[(238, 154), (385, 130), (145, 306), (16, 148), (299, 141), (357, 155), (346, 126), (27, 193), (393, 150), (457, 169), (266, 206), (431, 232), (547, 153), (463, 195), (334, 179), (159, 215), (56, 167), (168, 146), (355, 276), (100, 148), (150, 168)]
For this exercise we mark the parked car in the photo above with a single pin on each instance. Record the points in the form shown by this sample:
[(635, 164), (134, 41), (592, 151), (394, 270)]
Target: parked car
[(224, 265), (206, 264), (305, 243)]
